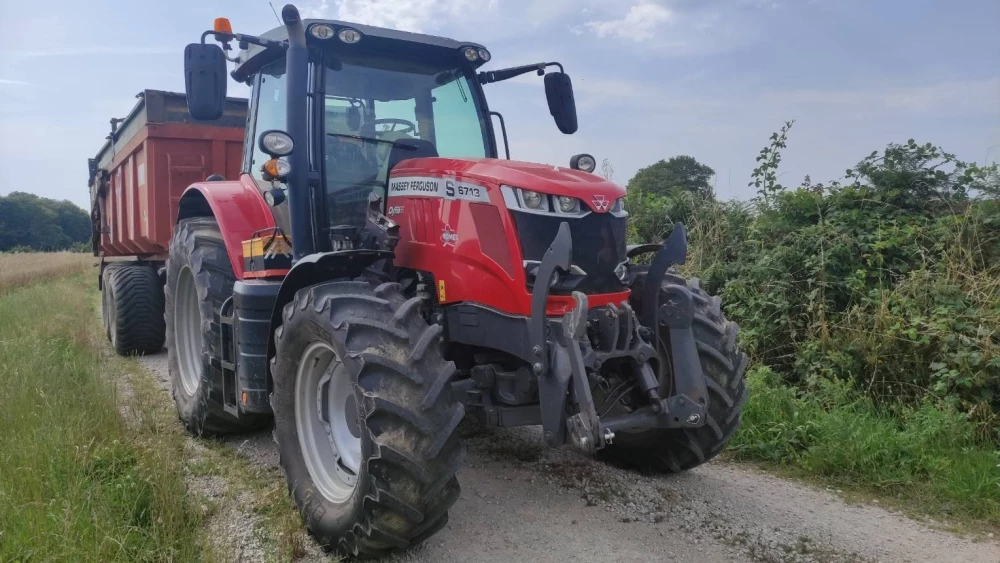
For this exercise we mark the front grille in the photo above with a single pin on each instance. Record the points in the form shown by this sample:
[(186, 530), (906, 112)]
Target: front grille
[(598, 247)]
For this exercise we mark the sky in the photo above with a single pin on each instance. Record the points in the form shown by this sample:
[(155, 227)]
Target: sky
[(653, 78)]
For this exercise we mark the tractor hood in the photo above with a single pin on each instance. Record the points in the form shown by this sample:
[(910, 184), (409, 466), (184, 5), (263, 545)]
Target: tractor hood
[(544, 178)]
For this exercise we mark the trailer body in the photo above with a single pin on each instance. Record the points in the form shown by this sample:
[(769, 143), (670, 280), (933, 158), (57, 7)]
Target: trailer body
[(149, 159)]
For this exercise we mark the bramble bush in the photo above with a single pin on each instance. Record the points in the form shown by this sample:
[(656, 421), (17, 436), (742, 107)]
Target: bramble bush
[(887, 281)]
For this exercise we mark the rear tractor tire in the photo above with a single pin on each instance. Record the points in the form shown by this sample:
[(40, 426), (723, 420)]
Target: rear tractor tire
[(364, 418), (723, 364), (199, 279), (132, 309)]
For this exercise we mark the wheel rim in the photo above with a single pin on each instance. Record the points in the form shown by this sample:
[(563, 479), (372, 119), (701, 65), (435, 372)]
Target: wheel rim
[(106, 311), (187, 330), (112, 319), (326, 421)]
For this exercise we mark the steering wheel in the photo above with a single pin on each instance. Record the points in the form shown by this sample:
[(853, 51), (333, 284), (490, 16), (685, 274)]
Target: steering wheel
[(408, 125)]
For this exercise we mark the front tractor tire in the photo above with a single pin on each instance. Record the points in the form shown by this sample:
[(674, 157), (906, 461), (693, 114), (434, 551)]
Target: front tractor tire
[(364, 418), (132, 309), (723, 365), (199, 279)]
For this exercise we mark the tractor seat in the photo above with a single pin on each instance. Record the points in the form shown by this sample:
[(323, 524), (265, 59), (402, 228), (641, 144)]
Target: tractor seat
[(404, 149)]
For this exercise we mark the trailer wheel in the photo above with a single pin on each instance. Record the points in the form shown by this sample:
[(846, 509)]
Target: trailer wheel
[(132, 304), (199, 279), (723, 364), (364, 417), (106, 304)]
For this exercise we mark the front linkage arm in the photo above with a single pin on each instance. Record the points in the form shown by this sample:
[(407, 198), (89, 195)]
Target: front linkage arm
[(558, 355), (690, 399), (561, 353), (553, 384)]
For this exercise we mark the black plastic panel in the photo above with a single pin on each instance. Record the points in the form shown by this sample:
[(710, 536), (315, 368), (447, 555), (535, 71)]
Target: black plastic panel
[(254, 301), (598, 247)]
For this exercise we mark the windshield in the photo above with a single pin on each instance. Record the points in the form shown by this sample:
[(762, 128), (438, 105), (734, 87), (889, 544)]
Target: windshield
[(386, 111)]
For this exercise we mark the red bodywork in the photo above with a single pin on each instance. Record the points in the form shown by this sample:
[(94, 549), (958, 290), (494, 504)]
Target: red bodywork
[(240, 211), (472, 246)]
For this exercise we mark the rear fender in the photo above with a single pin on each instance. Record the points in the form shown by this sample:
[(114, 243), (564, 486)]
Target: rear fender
[(238, 207), (318, 268)]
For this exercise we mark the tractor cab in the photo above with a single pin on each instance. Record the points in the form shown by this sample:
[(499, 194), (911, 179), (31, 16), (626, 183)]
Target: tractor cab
[(354, 102)]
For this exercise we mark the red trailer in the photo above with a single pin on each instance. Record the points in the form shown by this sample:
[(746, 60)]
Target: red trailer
[(136, 180)]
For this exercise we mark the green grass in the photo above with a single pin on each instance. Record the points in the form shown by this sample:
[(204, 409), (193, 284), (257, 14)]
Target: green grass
[(78, 482), (925, 458)]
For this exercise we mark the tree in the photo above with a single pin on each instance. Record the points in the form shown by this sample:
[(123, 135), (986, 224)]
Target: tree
[(679, 173), (27, 220), (607, 169)]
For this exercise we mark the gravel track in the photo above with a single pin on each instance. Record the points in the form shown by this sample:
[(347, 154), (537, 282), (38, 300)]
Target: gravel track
[(522, 502)]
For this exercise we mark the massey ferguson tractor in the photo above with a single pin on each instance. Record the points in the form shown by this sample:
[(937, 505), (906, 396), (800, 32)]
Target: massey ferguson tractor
[(367, 271)]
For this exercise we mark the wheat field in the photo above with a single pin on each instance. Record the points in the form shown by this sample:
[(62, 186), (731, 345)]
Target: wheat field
[(19, 269)]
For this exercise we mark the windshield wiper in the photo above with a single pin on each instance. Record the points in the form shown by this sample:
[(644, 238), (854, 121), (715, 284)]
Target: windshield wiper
[(396, 143)]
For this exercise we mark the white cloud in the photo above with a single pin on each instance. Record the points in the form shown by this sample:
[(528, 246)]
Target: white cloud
[(9, 82), (407, 15), (638, 24)]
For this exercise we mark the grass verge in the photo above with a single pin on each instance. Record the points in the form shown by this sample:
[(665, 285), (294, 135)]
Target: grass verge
[(79, 481), (927, 460), (259, 493), (251, 493)]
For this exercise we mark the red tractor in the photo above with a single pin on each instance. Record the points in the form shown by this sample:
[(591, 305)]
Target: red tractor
[(377, 273)]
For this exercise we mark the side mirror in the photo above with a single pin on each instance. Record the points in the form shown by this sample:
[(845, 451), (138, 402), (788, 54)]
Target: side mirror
[(205, 80), (562, 106)]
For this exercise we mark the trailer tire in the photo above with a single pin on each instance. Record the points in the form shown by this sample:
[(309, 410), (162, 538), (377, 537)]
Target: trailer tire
[(133, 309), (391, 485), (724, 365), (199, 279), (106, 304)]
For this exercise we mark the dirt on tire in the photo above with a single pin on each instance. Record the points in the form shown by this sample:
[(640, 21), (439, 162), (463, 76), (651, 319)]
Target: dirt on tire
[(724, 366), (407, 417), (198, 257)]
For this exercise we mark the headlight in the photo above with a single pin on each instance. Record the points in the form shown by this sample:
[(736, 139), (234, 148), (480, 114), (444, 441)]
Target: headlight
[(568, 204), (539, 203), (621, 272), (618, 208), (276, 143), (321, 31), (583, 162), (532, 200), (471, 54), (349, 36)]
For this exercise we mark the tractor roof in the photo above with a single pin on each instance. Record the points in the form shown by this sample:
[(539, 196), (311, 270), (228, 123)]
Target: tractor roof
[(374, 39)]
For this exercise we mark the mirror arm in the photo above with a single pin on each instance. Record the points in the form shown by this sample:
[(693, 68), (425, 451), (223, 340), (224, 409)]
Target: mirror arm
[(490, 76), (225, 38), (503, 129)]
